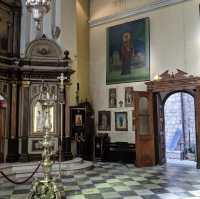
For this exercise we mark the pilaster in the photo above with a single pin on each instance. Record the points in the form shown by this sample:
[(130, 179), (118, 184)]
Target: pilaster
[(13, 155), (24, 118), (67, 140)]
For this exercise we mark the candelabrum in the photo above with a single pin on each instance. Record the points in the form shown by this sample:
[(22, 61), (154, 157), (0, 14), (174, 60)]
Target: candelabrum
[(38, 8), (46, 188)]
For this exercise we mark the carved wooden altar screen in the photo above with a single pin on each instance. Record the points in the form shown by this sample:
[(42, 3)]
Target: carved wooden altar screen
[(10, 16), (161, 88), (44, 61), (20, 81)]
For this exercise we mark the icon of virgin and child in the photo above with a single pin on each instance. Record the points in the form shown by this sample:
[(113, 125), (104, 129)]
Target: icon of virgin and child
[(42, 119)]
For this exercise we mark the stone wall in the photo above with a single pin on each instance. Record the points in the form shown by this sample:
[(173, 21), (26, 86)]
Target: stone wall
[(189, 119), (173, 117), (180, 114)]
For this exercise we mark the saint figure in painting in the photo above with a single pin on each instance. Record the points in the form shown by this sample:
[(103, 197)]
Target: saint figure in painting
[(42, 118), (127, 52), (47, 119), (38, 118), (39, 126), (78, 120)]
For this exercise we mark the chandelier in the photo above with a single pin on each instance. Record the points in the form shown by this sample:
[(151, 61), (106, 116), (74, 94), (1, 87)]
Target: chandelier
[(38, 8)]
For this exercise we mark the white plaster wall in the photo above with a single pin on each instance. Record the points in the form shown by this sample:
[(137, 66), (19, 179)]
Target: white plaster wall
[(68, 38), (28, 29), (25, 28), (174, 43), (65, 19), (192, 37)]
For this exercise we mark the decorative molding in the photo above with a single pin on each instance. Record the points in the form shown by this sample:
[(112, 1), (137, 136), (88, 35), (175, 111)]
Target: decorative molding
[(168, 82), (34, 146), (133, 12)]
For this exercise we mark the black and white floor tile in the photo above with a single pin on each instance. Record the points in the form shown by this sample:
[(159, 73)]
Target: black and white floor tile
[(118, 181)]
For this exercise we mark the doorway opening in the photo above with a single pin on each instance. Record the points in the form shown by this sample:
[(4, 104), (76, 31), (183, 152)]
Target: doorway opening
[(3, 106), (180, 131)]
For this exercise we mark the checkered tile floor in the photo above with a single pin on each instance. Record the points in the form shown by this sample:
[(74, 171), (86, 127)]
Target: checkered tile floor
[(117, 181)]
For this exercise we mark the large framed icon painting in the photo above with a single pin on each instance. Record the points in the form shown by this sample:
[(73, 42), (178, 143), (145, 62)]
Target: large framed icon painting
[(128, 52)]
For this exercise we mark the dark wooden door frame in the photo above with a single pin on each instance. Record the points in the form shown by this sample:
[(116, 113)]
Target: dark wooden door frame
[(159, 122), (168, 84)]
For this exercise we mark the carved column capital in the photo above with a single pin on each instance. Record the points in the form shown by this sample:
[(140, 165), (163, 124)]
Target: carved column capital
[(26, 83), (14, 84)]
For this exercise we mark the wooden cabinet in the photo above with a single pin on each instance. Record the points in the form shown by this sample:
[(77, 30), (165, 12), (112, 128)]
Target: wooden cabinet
[(82, 129)]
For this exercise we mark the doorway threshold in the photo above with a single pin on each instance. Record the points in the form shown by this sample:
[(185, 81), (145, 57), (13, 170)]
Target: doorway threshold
[(181, 162)]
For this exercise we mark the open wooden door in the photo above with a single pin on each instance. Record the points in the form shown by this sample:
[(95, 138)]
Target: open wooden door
[(197, 104), (145, 146), (160, 135)]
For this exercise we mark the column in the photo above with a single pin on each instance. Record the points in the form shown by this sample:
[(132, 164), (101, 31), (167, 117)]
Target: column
[(67, 139), (13, 155), (24, 115)]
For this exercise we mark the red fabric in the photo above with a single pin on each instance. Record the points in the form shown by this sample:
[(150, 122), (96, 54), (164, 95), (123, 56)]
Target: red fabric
[(2, 104), (126, 54)]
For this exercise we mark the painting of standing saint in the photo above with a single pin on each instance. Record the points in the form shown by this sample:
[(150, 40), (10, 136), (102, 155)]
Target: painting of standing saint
[(104, 120), (128, 52), (121, 121)]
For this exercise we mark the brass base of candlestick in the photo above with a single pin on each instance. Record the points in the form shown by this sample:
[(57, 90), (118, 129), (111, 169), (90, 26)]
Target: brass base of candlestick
[(44, 190)]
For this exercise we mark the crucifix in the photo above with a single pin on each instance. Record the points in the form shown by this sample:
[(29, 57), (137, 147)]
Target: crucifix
[(61, 78)]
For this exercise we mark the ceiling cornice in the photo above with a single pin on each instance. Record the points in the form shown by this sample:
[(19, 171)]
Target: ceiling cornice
[(133, 12)]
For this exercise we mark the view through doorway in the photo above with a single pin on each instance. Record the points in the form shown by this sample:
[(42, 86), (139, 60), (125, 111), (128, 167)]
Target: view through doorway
[(180, 131)]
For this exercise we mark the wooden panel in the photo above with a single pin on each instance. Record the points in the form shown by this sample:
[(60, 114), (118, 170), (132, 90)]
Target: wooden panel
[(145, 148), (10, 16), (198, 125), (2, 131), (14, 111), (161, 131)]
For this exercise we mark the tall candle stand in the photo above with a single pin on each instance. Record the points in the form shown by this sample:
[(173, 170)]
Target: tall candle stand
[(61, 78), (46, 188)]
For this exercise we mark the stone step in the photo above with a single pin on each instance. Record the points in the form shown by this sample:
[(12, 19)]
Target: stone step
[(24, 170)]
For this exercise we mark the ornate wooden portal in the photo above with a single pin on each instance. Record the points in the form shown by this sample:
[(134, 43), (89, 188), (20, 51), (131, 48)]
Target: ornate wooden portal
[(162, 87)]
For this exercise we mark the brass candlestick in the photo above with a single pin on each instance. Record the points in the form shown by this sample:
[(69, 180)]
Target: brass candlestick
[(46, 188), (61, 78)]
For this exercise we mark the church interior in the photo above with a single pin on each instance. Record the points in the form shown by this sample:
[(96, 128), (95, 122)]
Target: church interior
[(99, 99)]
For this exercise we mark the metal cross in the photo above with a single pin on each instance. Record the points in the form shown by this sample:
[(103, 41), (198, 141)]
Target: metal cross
[(62, 78)]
